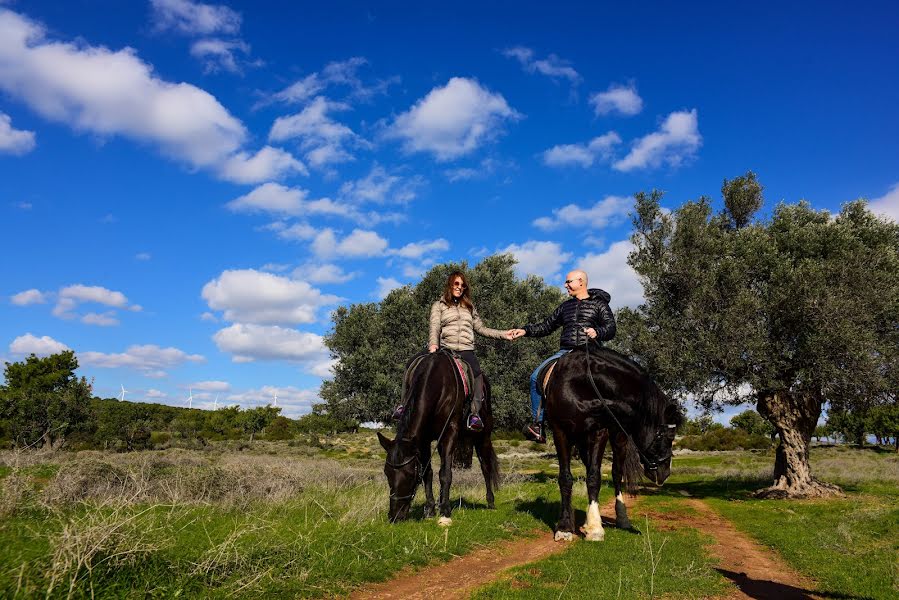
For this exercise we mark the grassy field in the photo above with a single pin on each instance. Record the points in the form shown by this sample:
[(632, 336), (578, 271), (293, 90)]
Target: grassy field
[(308, 519)]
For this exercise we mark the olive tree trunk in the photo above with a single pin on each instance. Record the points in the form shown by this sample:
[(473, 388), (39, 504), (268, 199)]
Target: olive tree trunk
[(794, 416)]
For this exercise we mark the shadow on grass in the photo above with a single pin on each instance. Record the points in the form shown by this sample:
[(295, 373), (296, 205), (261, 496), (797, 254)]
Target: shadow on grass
[(762, 588), (725, 489)]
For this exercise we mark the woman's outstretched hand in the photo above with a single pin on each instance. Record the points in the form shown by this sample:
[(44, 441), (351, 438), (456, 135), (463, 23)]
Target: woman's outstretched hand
[(514, 334)]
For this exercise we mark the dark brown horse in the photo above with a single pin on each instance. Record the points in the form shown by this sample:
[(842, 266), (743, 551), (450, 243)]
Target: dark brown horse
[(596, 394), (434, 400)]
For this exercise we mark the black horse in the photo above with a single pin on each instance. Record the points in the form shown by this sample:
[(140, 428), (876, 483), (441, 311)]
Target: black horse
[(434, 398), (597, 394)]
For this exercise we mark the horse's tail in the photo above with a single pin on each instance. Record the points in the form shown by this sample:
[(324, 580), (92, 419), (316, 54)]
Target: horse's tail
[(464, 451), (631, 469), (489, 454)]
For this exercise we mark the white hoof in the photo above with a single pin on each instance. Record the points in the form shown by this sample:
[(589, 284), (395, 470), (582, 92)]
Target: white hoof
[(563, 536), (595, 536), (444, 521)]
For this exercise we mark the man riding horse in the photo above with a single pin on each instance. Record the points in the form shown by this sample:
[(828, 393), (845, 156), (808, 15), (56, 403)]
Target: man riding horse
[(583, 317)]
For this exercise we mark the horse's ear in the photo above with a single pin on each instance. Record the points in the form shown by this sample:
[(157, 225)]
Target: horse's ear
[(386, 443)]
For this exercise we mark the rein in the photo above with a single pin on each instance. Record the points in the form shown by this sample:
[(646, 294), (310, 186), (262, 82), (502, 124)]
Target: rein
[(651, 465)]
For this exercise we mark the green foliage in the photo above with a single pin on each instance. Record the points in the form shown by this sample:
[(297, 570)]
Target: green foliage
[(800, 309), (883, 422), (752, 423), (724, 438), (324, 424), (43, 400), (255, 420), (374, 341)]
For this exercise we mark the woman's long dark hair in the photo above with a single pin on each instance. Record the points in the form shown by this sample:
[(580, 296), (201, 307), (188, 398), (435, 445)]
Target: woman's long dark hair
[(465, 298)]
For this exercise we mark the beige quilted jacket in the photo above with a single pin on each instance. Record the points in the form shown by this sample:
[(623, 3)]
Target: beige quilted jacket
[(453, 327)]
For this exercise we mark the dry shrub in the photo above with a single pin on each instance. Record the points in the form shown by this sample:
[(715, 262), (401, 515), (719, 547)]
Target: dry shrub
[(108, 535), (15, 491), (181, 477), (857, 466)]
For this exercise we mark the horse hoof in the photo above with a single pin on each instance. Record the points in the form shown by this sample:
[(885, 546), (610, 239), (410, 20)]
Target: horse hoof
[(563, 536), (595, 536), (624, 525), (444, 521)]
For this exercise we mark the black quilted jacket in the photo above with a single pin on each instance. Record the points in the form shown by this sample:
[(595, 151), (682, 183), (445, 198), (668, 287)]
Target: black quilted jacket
[(574, 315)]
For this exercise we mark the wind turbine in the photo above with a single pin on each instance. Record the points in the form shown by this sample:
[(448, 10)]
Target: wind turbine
[(122, 397), (190, 398), (276, 399), (215, 405)]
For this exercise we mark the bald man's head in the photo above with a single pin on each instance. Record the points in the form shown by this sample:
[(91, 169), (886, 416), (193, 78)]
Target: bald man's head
[(576, 284)]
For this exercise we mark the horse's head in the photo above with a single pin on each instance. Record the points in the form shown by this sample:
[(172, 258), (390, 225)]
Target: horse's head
[(657, 442), (403, 471)]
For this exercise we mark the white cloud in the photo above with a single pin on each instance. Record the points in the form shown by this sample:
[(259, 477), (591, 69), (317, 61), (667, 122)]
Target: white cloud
[(419, 249), (41, 346), (105, 319), (209, 317), (453, 120), (143, 256), (267, 163), (149, 359), (339, 73), (325, 273), (250, 296), (24, 205), (249, 342), (552, 66), (888, 204), (544, 259), (294, 232), (272, 198), (609, 270), (70, 297), (385, 285), (292, 401), (323, 138), (32, 296), (584, 155), (14, 141), (677, 141), (219, 55), (609, 210), (620, 99), (107, 93), (151, 393), (211, 386), (381, 187), (194, 18), (358, 244)]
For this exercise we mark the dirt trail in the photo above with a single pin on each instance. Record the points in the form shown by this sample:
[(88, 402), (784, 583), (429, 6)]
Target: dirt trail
[(461, 576), (758, 572)]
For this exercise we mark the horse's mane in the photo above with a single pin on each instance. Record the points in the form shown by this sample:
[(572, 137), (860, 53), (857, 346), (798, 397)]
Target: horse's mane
[(652, 402)]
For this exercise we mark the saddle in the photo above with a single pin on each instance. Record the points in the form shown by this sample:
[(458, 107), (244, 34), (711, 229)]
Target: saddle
[(462, 368), (544, 377)]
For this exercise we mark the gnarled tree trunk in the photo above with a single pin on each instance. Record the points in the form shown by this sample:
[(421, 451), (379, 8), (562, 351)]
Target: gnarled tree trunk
[(795, 416)]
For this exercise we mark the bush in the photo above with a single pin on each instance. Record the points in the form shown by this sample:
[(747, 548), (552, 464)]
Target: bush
[(724, 438), (325, 424)]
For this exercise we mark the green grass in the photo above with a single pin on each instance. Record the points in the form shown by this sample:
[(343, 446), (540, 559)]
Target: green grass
[(305, 519)]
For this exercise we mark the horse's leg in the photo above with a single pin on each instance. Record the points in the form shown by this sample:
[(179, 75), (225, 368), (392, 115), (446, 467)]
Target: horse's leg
[(591, 452), (619, 453), (446, 479), (565, 526), (487, 458), (427, 478)]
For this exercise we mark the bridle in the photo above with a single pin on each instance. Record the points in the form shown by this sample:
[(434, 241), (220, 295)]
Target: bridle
[(649, 465)]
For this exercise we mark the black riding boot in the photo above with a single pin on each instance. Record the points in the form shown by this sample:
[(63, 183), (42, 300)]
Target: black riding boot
[(477, 400)]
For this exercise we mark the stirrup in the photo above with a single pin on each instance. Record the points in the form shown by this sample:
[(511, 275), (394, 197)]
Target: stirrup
[(475, 423)]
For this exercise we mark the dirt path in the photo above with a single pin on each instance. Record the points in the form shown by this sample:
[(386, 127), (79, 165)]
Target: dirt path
[(758, 572), (461, 576)]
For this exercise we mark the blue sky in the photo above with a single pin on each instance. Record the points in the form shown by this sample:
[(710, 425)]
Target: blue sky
[(189, 189)]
